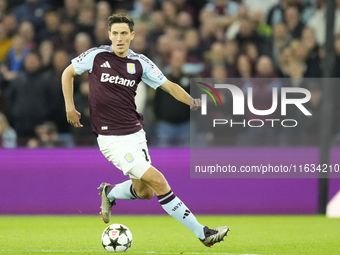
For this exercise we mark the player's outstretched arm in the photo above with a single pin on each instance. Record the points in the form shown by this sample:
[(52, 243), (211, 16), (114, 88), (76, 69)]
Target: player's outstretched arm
[(181, 95), (73, 116)]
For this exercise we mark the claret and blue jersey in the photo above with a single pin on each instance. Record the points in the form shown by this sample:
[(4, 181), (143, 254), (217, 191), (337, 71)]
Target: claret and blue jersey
[(113, 83)]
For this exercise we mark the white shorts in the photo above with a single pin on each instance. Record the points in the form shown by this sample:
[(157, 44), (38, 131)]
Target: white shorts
[(128, 153)]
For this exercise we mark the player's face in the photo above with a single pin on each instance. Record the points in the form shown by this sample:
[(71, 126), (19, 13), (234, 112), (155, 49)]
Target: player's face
[(121, 37)]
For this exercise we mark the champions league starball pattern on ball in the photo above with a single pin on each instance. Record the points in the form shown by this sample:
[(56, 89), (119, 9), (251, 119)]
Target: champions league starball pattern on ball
[(117, 238)]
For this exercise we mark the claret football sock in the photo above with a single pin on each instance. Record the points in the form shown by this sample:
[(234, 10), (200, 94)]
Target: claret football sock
[(178, 210), (124, 191)]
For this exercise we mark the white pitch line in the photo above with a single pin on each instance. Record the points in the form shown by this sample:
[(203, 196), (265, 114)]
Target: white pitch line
[(221, 253), (49, 251), (138, 252)]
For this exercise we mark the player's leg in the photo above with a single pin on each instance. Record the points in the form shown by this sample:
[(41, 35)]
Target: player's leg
[(128, 190), (124, 191), (126, 153), (178, 210), (143, 191), (134, 159), (170, 202)]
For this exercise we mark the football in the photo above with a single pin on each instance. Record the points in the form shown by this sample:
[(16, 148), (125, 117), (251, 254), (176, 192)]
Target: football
[(117, 238)]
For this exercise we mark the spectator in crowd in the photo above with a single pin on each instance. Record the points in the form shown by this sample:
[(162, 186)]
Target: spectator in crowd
[(88, 4), (301, 53), (32, 11), (244, 68), (46, 136), (261, 99), (296, 71), (209, 33), (52, 22), (100, 33), (2, 101), (306, 132), (308, 39), (60, 62), (141, 29), (122, 6), (30, 97), (277, 13), (337, 59), (252, 54), (143, 11), (3, 8), (265, 68), (184, 22), (10, 23), (261, 28), (279, 40), (5, 42), (186, 6), (83, 136), (70, 10), (163, 51), (215, 56), (14, 60), (220, 135), (263, 6), (8, 136), (294, 24), (82, 43), (26, 30), (204, 15), (14, 3), (231, 51), (222, 7), (234, 28), (65, 38), (247, 34), (103, 11), (172, 124), (191, 41), (46, 51), (222, 54), (138, 45), (156, 29), (219, 73), (169, 12), (216, 53), (85, 21), (256, 18), (318, 22)]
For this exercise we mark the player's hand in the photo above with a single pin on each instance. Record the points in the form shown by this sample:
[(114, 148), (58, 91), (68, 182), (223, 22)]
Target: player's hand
[(73, 118), (195, 104)]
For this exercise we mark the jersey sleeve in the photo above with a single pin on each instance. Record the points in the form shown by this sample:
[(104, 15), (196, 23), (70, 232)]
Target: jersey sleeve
[(152, 76), (84, 62)]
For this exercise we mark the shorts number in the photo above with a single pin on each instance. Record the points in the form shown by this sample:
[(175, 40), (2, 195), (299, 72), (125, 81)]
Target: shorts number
[(146, 155)]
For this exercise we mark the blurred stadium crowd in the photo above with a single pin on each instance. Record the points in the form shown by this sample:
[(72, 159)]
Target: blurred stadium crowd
[(186, 39)]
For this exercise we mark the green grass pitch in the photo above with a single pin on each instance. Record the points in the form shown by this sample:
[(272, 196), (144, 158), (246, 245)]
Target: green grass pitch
[(164, 235)]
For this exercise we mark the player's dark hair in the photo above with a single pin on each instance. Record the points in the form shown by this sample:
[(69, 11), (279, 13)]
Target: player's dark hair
[(121, 18)]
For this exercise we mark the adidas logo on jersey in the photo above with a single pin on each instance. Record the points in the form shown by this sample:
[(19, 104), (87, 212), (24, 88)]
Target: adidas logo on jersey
[(106, 77), (106, 64)]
